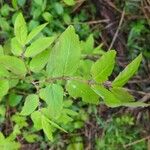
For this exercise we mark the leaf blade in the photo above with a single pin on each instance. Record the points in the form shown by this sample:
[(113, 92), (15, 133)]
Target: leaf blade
[(20, 29), (103, 67), (38, 46), (65, 55), (31, 103), (13, 64), (35, 32), (128, 72)]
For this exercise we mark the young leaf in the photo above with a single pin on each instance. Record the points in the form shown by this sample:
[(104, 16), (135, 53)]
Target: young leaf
[(56, 125), (126, 99), (136, 104), (109, 99), (47, 128), (35, 32), (53, 95), (31, 103), (39, 61), (16, 47), (36, 118), (122, 95), (20, 29), (127, 73), (65, 55), (69, 2), (38, 46), (4, 87), (88, 45), (103, 67), (78, 89), (13, 64)]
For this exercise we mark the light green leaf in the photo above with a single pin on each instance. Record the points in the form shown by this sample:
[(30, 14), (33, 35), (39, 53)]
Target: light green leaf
[(36, 118), (13, 64), (69, 2), (47, 128), (3, 72), (136, 104), (117, 97), (35, 32), (1, 50), (39, 61), (127, 73), (53, 95), (78, 89), (109, 99), (65, 55), (16, 47), (56, 125), (103, 67), (4, 87), (122, 95), (31, 103), (20, 29), (38, 46), (88, 45)]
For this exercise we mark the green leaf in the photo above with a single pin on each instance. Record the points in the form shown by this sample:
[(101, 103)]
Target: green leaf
[(20, 29), (65, 55), (35, 32), (109, 99), (16, 47), (56, 125), (136, 104), (38, 46), (122, 95), (88, 45), (69, 2), (13, 64), (1, 50), (4, 87), (78, 89), (127, 73), (103, 67), (36, 118), (3, 72), (31, 103), (47, 128), (126, 99), (39, 61), (14, 99), (53, 95), (117, 97)]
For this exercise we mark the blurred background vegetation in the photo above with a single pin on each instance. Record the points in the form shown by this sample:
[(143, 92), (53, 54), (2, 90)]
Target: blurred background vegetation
[(95, 127)]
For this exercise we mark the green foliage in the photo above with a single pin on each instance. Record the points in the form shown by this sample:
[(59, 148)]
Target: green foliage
[(119, 132), (41, 75)]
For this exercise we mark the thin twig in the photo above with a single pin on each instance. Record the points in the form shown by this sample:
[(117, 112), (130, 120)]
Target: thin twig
[(135, 142), (117, 31)]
